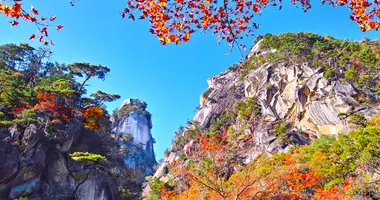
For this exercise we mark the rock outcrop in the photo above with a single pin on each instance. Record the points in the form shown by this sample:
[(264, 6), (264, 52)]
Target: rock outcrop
[(132, 125), (289, 93), (37, 165)]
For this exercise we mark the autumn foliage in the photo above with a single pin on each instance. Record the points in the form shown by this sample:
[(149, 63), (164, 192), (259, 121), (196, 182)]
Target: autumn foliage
[(174, 21), (47, 94), (17, 12), (92, 117), (329, 168), (47, 102)]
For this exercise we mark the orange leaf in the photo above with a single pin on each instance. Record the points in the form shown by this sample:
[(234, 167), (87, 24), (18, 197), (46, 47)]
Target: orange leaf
[(187, 37), (372, 25)]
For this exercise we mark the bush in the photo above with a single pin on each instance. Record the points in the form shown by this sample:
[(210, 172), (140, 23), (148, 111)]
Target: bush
[(281, 129), (350, 74), (85, 156), (357, 119)]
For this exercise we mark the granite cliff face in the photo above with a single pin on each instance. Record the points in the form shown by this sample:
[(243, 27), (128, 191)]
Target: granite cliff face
[(132, 125), (271, 106)]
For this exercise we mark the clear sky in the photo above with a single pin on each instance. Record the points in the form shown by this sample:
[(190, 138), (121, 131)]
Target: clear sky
[(169, 78)]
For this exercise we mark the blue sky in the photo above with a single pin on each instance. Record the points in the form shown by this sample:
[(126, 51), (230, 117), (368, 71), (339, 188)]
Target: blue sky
[(169, 78)]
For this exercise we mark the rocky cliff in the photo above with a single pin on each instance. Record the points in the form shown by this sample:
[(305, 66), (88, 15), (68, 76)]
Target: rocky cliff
[(36, 166), (132, 125), (57, 141), (39, 166), (292, 89)]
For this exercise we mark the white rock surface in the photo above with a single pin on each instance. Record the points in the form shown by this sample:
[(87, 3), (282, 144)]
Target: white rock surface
[(136, 125)]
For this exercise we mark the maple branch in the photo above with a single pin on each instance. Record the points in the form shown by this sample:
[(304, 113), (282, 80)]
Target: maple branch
[(225, 4)]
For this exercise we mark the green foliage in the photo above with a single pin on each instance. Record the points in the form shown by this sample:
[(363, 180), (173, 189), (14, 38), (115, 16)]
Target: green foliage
[(156, 186), (24, 198), (329, 73), (247, 108), (252, 63), (127, 138), (356, 118), (180, 141), (281, 129), (377, 89), (100, 97), (88, 70), (124, 111), (223, 121), (208, 92), (337, 158), (88, 157), (137, 106), (25, 117), (50, 129), (124, 192), (58, 86), (25, 75), (359, 61), (350, 74), (14, 89)]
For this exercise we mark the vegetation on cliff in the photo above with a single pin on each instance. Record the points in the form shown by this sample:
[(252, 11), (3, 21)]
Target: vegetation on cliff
[(50, 99), (212, 162), (355, 62)]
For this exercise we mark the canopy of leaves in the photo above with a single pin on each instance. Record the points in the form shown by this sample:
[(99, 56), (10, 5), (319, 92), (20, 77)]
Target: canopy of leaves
[(33, 90), (100, 97), (173, 21)]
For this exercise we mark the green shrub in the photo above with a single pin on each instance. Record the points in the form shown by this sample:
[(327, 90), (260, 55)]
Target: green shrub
[(356, 119), (247, 108), (329, 73), (281, 129), (350, 74), (208, 92), (85, 156)]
